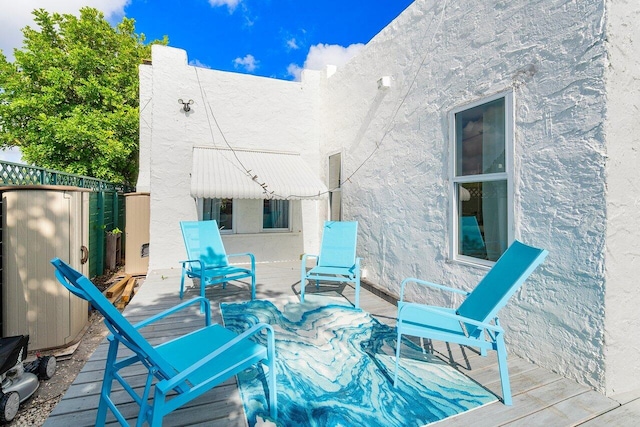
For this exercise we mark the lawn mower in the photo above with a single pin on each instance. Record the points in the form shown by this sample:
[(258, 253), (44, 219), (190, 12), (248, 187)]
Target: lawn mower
[(19, 380)]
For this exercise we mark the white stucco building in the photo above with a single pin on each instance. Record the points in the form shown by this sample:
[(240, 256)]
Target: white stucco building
[(494, 121)]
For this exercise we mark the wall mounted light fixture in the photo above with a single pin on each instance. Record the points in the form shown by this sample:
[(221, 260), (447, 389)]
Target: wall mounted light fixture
[(186, 106), (384, 82)]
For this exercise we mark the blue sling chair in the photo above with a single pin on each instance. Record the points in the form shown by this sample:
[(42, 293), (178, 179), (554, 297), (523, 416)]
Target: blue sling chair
[(183, 368), (475, 322), (208, 261), (337, 261)]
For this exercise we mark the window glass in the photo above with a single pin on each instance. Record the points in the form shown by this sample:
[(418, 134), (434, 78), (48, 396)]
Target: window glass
[(482, 219), (219, 209), (481, 180), (275, 214), (480, 139)]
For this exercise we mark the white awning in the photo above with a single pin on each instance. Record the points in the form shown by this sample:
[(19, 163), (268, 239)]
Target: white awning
[(220, 173)]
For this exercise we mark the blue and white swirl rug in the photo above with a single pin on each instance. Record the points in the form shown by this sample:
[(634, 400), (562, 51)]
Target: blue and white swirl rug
[(335, 368)]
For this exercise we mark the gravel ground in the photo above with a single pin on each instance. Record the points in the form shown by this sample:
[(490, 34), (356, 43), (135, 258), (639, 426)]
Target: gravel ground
[(37, 408)]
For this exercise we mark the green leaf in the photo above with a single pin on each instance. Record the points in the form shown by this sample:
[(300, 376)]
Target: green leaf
[(70, 98)]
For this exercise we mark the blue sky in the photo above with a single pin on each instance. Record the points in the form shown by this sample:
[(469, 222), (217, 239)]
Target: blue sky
[(263, 37), (271, 38)]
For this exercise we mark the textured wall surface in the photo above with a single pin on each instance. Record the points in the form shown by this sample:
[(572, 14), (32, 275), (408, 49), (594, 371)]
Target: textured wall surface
[(439, 56), (572, 67), (623, 196), (246, 111), (145, 76)]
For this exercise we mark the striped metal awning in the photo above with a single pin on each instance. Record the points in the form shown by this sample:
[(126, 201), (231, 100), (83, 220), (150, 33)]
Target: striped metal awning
[(221, 173)]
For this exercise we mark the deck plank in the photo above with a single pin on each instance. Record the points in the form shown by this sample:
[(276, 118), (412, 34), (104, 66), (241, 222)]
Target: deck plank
[(540, 396), (627, 415)]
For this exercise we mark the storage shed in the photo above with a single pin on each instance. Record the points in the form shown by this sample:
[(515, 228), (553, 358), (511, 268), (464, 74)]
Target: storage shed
[(40, 223), (137, 233)]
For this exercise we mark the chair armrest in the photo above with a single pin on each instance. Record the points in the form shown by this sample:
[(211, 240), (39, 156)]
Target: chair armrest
[(448, 315), (304, 258), (178, 308), (429, 284), (173, 382), (189, 261), (249, 254)]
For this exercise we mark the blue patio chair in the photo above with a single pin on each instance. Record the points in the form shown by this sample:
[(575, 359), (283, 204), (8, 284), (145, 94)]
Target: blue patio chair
[(208, 260), (472, 243), (189, 365), (474, 322), (337, 261)]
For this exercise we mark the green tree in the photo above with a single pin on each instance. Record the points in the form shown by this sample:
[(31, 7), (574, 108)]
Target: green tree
[(69, 101)]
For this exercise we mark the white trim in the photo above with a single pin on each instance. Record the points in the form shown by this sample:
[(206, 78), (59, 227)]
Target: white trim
[(338, 190), (508, 175)]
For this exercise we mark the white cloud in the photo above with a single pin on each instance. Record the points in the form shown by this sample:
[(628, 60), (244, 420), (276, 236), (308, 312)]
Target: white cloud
[(197, 63), (295, 71), (15, 15), (231, 4), (292, 44), (249, 63), (321, 55), (330, 54)]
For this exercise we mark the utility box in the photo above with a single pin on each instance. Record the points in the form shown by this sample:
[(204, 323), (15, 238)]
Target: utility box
[(137, 233), (40, 223)]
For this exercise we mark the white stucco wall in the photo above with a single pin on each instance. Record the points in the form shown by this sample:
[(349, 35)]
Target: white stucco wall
[(145, 74), (623, 196), (551, 54), (251, 112), (573, 70)]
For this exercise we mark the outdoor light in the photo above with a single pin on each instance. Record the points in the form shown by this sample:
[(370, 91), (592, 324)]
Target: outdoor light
[(384, 82), (186, 106)]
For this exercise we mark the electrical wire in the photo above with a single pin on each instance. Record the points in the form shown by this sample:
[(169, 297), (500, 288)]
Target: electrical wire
[(242, 167), (388, 127), (404, 98)]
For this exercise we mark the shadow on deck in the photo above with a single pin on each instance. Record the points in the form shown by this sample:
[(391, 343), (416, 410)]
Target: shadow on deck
[(540, 397)]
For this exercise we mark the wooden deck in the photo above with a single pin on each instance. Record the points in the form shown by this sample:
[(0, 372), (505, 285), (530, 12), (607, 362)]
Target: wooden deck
[(540, 397)]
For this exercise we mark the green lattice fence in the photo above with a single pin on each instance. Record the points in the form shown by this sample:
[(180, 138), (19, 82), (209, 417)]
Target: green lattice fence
[(106, 203), (17, 174)]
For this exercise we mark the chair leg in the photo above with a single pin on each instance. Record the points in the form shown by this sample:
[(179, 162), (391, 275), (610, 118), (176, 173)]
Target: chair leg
[(303, 281), (202, 288), (182, 283), (357, 283), (158, 409), (253, 286), (395, 372), (107, 382), (146, 411), (273, 392), (504, 370)]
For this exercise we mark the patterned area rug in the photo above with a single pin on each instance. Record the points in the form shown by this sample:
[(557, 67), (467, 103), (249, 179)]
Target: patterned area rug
[(335, 368)]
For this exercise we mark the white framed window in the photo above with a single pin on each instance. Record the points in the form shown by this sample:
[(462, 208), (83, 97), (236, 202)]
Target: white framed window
[(481, 196), (221, 210), (276, 215)]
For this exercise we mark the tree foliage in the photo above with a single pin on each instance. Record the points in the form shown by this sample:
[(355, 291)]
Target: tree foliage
[(69, 101)]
